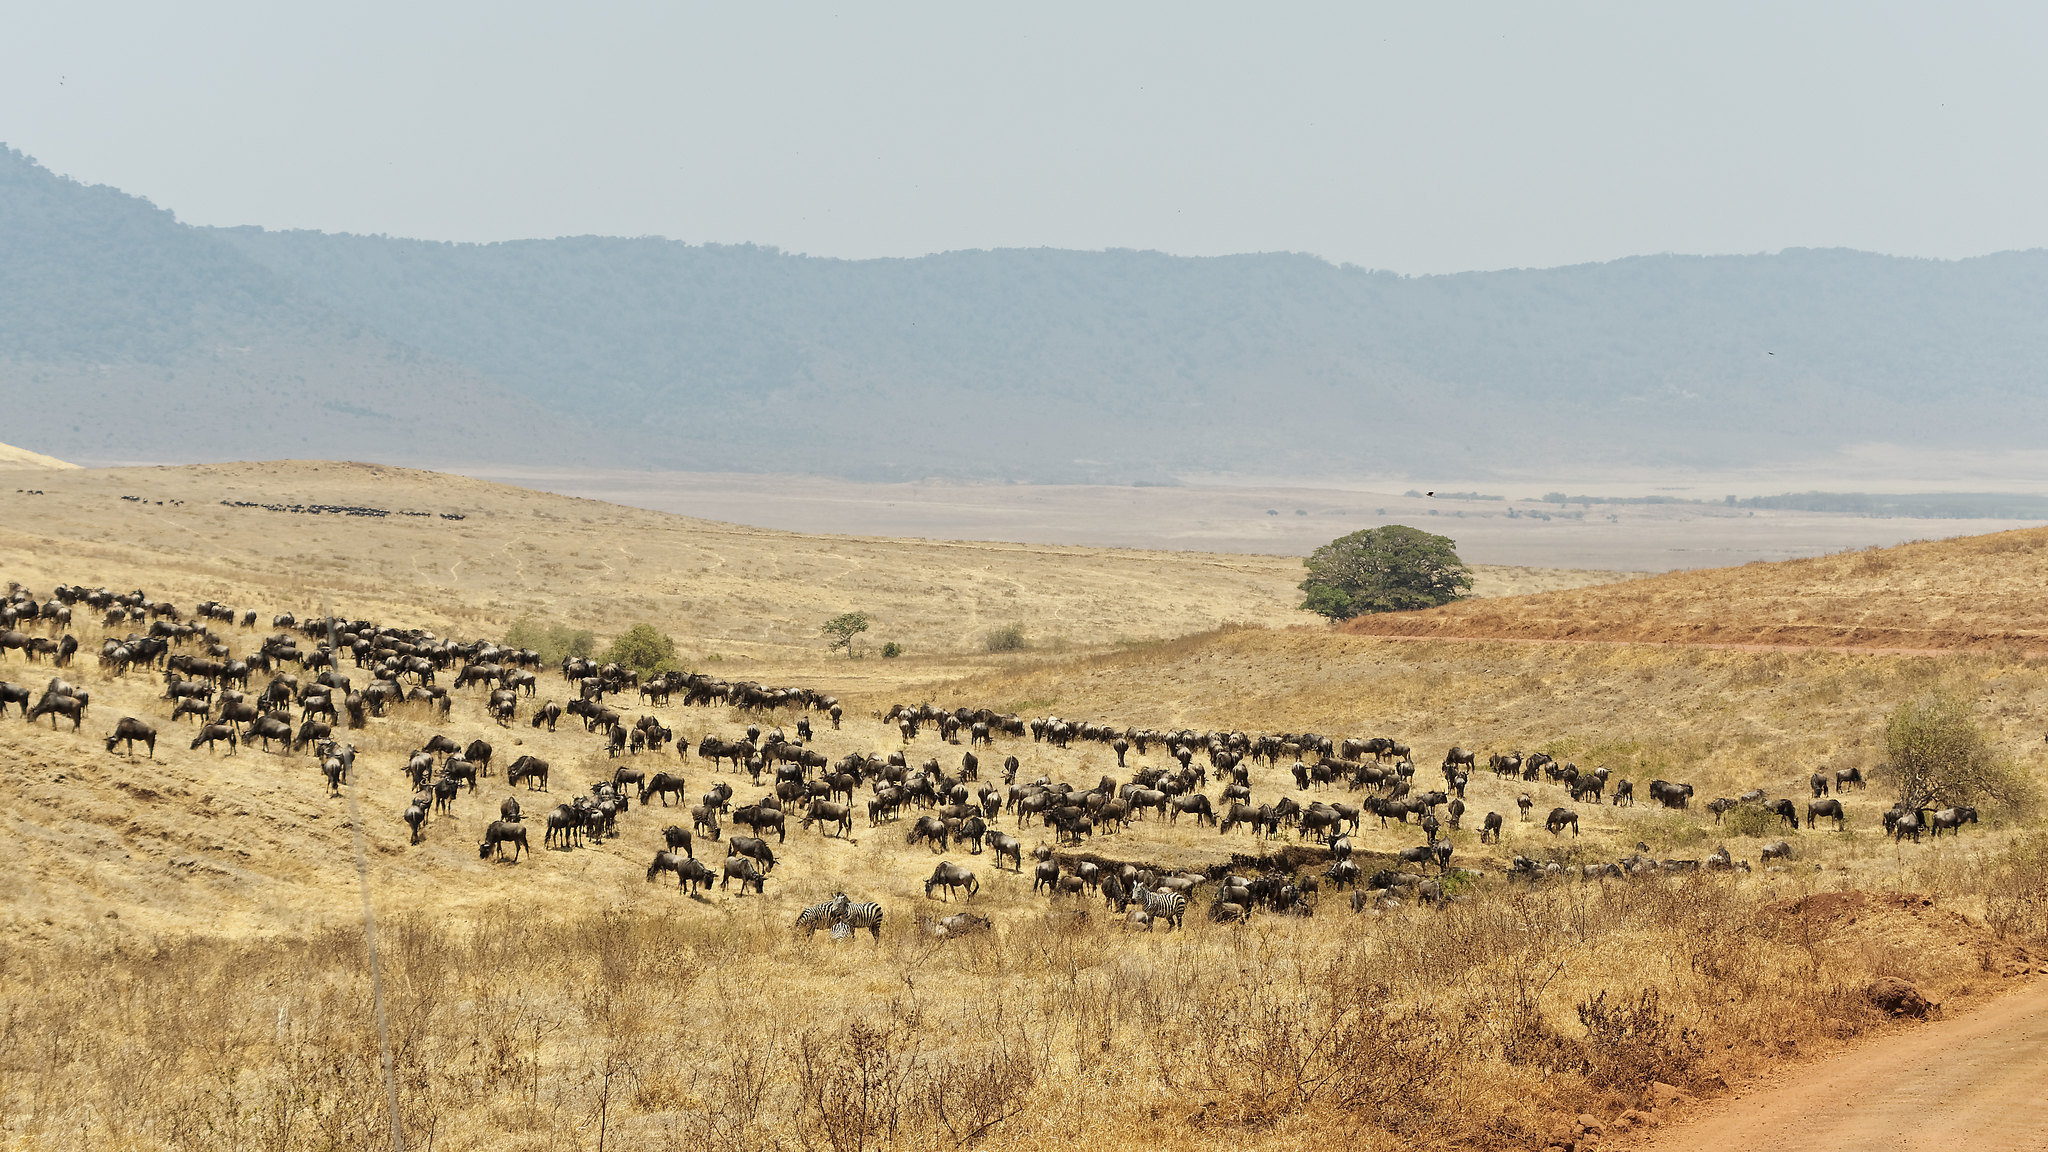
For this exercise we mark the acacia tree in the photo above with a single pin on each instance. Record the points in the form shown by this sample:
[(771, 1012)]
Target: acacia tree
[(843, 628), (1393, 568)]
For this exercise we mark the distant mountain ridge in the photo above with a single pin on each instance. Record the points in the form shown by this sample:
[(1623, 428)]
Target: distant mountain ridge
[(1017, 364)]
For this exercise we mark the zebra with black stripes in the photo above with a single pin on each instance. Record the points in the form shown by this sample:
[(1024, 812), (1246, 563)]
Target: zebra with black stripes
[(817, 916), (1168, 906), (853, 916)]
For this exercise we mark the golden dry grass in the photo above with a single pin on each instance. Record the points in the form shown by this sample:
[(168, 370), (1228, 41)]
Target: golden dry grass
[(1970, 592), (184, 965), (746, 598)]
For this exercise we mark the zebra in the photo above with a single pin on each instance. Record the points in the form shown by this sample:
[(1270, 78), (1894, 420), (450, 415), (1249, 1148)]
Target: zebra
[(853, 917), (1167, 906), (816, 916)]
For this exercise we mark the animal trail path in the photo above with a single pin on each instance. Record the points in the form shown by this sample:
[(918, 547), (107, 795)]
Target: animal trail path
[(1978, 1082)]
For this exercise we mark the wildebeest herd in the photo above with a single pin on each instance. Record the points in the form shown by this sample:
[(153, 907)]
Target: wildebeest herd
[(287, 691)]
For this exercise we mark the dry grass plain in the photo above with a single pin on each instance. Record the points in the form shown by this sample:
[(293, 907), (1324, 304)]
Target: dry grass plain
[(185, 963), (1975, 592)]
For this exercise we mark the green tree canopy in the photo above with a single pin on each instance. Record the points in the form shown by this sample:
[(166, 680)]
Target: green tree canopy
[(844, 627), (1389, 569), (644, 648)]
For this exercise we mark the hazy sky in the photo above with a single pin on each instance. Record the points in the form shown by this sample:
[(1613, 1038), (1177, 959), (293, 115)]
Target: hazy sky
[(1417, 137)]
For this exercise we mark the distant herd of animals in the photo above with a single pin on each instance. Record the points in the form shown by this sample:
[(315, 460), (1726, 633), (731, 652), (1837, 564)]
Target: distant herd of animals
[(206, 681)]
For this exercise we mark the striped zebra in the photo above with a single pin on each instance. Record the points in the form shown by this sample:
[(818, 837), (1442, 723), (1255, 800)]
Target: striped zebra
[(818, 916), (853, 917), (1167, 906)]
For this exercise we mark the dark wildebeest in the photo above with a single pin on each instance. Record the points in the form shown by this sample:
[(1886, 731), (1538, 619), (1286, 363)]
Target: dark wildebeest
[(676, 837), (824, 812), (1558, 818), (416, 815), (748, 873), (754, 848), (1786, 810), (213, 732), (662, 785), (499, 834), (1952, 819), (1818, 782), (1830, 808), (131, 730), (1491, 829), (529, 769), (950, 876), (509, 810)]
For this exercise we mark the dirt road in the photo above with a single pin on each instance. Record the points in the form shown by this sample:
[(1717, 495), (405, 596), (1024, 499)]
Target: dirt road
[(1978, 1082)]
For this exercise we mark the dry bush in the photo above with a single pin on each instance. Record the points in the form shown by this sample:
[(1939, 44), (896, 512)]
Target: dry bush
[(2016, 896), (1936, 754)]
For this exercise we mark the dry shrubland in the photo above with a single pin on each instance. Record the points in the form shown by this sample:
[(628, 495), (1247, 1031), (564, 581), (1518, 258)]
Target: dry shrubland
[(1468, 1027)]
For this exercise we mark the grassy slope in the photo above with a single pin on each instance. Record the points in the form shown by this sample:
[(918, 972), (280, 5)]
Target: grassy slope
[(1972, 592), (216, 894)]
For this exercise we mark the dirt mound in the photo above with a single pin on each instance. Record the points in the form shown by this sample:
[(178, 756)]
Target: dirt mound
[(1902, 598)]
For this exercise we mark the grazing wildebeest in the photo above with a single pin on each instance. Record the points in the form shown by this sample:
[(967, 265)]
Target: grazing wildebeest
[(1830, 808), (55, 706), (748, 873), (1952, 819), (1848, 776), (1787, 811), (1818, 782), (1777, 850), (1491, 829), (705, 819), (16, 695), (213, 732), (662, 785), (1558, 818), (131, 730), (509, 810), (668, 862), (753, 848), (950, 876), (1720, 806), (530, 769), (499, 834), (416, 815)]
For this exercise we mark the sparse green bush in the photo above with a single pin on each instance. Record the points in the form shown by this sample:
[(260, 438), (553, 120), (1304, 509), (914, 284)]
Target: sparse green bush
[(891, 650), (1008, 638), (552, 641), (643, 648), (1935, 754), (1751, 820)]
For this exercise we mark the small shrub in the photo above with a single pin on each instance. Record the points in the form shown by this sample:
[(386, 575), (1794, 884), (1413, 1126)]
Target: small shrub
[(552, 641), (1008, 638), (1753, 820), (891, 650), (1936, 754), (2016, 899), (643, 648)]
